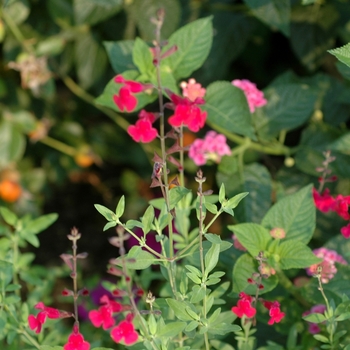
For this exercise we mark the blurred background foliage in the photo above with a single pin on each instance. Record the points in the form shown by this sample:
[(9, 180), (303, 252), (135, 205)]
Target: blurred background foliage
[(62, 152)]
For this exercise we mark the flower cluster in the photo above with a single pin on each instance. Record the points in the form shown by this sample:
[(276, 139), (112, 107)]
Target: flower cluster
[(339, 204), (36, 322), (244, 308), (212, 147), (317, 309), (143, 131), (328, 268), (126, 100), (254, 96), (105, 317)]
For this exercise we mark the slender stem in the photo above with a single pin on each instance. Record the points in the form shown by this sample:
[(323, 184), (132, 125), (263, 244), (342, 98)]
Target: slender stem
[(181, 170), (58, 145)]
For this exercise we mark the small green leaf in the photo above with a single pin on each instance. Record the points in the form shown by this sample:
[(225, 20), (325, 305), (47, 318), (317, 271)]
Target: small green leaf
[(107, 213), (40, 224), (193, 314), (147, 219), (120, 54), (342, 54), (152, 324), (223, 328), (222, 194), (141, 259), (213, 238), (194, 270), (194, 278), (5, 273), (13, 287), (179, 309), (109, 225), (198, 294), (176, 194), (142, 57), (9, 217), (315, 318), (171, 329), (214, 316), (119, 211), (211, 207), (212, 257), (32, 239), (234, 201), (321, 338), (191, 326)]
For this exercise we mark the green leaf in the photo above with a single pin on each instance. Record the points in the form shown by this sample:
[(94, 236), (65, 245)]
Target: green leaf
[(109, 225), (219, 345), (176, 194), (107, 213), (274, 13), (194, 270), (198, 294), (120, 54), (90, 59), (321, 338), (191, 326), (211, 207), (32, 239), (95, 11), (40, 224), (147, 219), (295, 213), (228, 109), (295, 254), (243, 269), (142, 57), (213, 238), (289, 106), (193, 43), (223, 328), (222, 194), (143, 259), (119, 210), (12, 143), (9, 217), (342, 144), (5, 273), (179, 308), (171, 329), (211, 258), (342, 53), (253, 237), (234, 201), (144, 10), (61, 11)]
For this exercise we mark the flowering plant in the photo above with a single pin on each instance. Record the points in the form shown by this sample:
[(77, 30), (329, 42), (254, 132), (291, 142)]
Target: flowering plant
[(205, 265)]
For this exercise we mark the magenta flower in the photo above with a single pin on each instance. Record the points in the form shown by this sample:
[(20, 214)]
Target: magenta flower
[(323, 202), (244, 306), (142, 131), (345, 231), (330, 257), (76, 342), (274, 311), (125, 331), (125, 100), (254, 96), (187, 113), (36, 322), (212, 147)]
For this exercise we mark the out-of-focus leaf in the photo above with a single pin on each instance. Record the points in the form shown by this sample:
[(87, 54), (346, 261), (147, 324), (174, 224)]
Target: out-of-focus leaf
[(120, 54), (144, 10), (61, 11), (90, 59), (274, 13), (12, 143), (18, 11), (342, 144), (228, 109), (51, 46), (95, 11)]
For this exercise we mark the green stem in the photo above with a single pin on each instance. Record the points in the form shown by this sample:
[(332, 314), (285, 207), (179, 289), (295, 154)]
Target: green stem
[(182, 177), (58, 145)]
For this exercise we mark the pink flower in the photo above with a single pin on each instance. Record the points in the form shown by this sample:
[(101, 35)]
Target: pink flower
[(212, 147), (342, 206), (102, 317), (345, 231), (244, 306), (187, 113), (254, 96), (125, 100), (330, 257), (317, 309), (192, 90), (36, 322), (125, 331), (274, 311), (143, 131), (76, 342)]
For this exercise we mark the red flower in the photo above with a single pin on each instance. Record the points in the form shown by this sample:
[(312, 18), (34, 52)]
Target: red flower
[(102, 317), (125, 100), (274, 311), (345, 231), (76, 342), (324, 202), (36, 323), (342, 206), (187, 113), (125, 330), (142, 131), (244, 306)]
